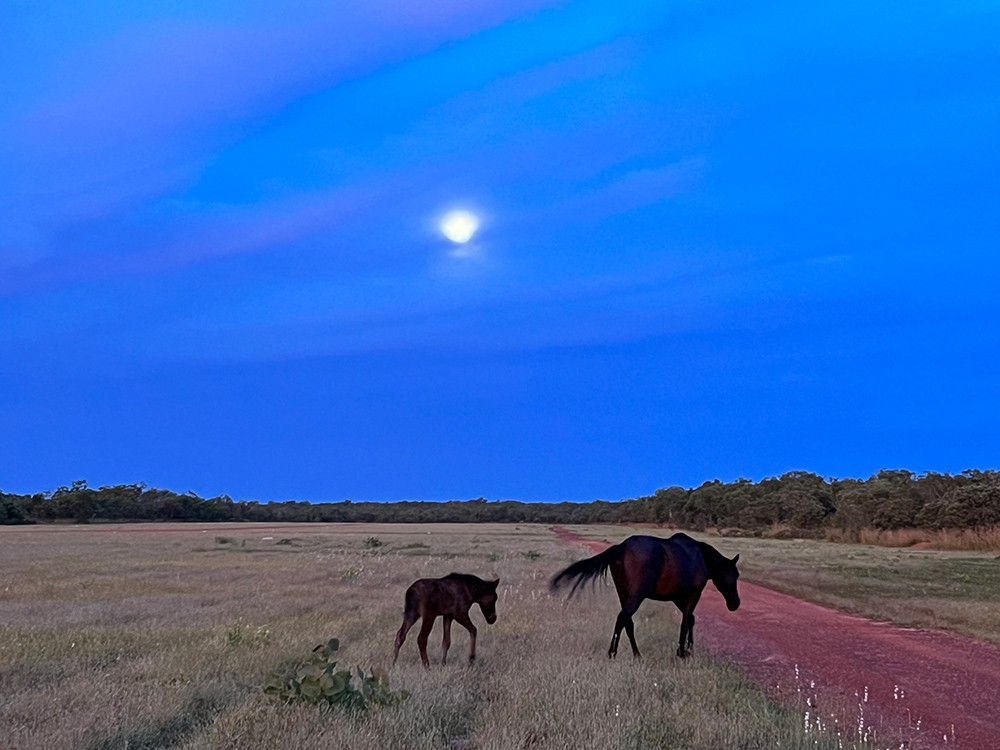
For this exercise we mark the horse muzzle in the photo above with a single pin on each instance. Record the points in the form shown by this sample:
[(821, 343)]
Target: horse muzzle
[(491, 619), (733, 604)]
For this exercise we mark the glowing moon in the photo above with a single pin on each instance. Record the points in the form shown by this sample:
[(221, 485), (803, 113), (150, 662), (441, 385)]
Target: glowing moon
[(459, 226)]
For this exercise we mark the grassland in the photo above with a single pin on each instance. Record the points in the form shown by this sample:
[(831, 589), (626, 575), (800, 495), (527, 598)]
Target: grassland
[(161, 637)]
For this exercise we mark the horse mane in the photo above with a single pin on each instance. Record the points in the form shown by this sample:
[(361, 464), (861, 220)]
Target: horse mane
[(713, 558)]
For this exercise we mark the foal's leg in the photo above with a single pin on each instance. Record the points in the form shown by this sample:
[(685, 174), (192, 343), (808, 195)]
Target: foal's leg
[(446, 641), (465, 622), (409, 617), (425, 630)]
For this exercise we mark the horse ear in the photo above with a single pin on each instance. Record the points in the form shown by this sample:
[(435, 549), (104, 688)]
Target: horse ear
[(495, 583), (736, 559)]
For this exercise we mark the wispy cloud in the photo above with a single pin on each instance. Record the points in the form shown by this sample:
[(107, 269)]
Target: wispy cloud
[(136, 115), (632, 190)]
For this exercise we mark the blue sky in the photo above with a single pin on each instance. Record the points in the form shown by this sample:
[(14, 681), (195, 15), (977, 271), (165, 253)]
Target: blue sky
[(718, 239)]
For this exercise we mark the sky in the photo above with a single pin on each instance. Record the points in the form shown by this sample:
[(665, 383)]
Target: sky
[(717, 240)]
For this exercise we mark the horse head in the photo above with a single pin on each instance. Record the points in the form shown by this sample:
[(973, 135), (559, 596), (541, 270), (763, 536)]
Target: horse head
[(487, 600), (724, 577)]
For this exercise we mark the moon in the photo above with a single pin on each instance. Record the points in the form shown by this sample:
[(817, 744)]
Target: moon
[(459, 226)]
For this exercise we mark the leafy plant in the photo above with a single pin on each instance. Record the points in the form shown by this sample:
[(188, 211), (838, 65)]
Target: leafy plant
[(372, 542), (532, 554), (319, 682), (350, 573)]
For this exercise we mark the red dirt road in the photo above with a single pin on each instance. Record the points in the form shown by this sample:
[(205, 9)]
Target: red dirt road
[(929, 688)]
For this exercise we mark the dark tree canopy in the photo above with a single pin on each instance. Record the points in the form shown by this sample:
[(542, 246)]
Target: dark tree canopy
[(806, 502)]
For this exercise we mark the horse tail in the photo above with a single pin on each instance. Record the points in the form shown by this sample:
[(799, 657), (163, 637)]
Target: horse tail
[(586, 570)]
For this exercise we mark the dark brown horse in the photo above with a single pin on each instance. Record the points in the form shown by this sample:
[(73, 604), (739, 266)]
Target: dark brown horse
[(667, 570), (450, 597)]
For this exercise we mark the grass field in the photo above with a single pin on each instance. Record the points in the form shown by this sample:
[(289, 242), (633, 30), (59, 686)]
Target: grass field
[(117, 637)]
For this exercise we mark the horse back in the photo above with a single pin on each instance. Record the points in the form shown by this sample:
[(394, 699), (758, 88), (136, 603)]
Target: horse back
[(667, 568)]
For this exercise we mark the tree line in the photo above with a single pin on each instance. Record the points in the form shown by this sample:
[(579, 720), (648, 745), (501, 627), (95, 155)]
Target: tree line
[(799, 501)]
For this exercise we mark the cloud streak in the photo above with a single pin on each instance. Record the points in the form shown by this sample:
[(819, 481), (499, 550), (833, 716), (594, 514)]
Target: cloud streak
[(140, 114)]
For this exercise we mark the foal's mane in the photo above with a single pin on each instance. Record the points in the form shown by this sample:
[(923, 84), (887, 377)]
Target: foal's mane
[(467, 578)]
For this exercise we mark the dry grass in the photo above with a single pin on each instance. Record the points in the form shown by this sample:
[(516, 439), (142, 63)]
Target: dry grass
[(982, 540), (146, 637)]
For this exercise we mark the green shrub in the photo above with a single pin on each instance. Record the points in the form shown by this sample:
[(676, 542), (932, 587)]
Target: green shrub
[(319, 682), (372, 542)]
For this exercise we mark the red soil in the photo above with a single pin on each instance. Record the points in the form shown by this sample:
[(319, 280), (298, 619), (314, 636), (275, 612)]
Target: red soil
[(928, 688)]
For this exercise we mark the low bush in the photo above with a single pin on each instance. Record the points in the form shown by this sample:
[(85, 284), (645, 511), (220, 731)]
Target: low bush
[(319, 682)]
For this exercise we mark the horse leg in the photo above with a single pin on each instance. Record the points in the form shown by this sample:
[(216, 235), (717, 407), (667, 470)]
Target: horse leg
[(409, 618), (630, 632), (682, 642), (465, 622), (446, 641), (613, 648), (686, 640), (625, 621), (685, 643), (425, 630)]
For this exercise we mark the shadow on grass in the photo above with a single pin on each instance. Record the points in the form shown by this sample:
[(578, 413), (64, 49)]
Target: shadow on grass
[(200, 711)]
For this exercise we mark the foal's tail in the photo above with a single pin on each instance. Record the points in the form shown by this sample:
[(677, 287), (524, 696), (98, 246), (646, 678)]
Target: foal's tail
[(586, 570)]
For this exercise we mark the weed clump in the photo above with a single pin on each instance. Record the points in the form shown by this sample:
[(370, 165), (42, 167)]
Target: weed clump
[(245, 635), (319, 682)]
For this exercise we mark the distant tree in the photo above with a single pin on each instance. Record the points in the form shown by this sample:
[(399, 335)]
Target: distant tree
[(895, 499), (971, 503), (854, 505), (12, 510)]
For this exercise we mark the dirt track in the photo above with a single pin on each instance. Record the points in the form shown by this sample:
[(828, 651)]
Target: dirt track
[(933, 689)]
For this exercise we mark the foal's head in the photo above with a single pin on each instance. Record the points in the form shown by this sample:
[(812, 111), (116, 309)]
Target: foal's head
[(486, 598), (724, 576)]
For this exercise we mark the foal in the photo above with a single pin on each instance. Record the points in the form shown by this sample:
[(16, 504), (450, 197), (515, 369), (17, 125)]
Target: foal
[(450, 597)]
